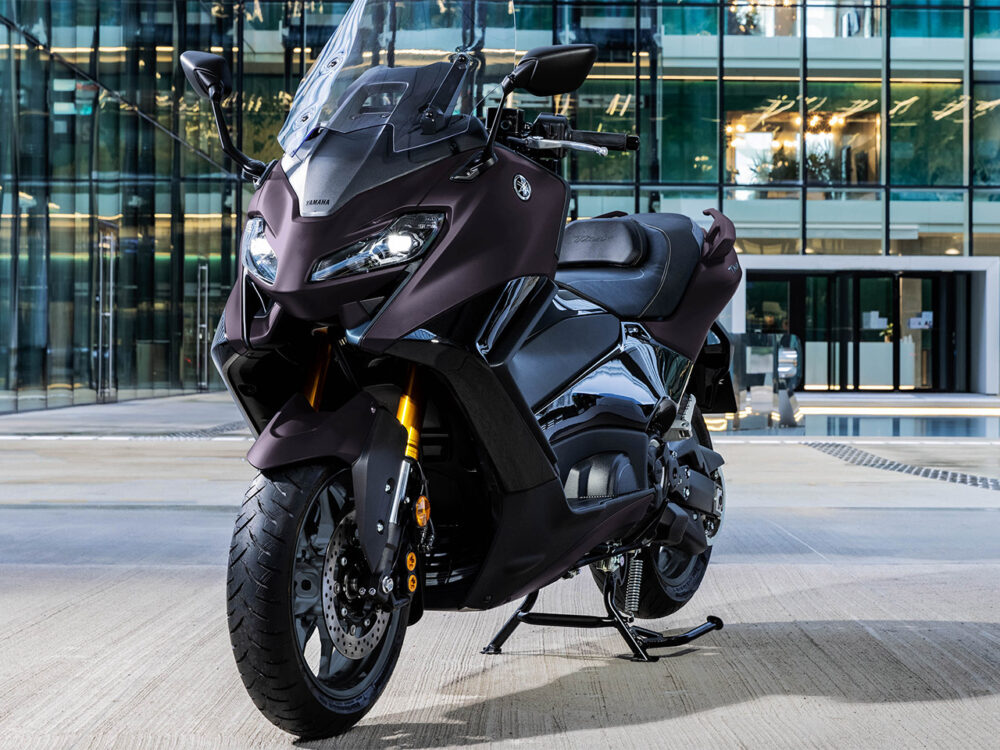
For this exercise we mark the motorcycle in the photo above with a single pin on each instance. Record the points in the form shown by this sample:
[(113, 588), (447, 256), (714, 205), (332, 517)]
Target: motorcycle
[(415, 326)]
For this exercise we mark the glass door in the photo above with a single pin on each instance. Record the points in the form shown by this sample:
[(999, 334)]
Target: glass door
[(917, 326), (875, 366), (856, 331)]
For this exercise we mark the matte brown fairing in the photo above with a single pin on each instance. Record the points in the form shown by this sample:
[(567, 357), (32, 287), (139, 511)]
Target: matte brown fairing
[(522, 240), (492, 237)]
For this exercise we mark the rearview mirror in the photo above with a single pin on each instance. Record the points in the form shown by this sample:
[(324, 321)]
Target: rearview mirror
[(547, 71), (208, 74)]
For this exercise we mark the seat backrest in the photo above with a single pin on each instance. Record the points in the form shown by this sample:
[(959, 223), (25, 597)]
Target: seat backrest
[(602, 242)]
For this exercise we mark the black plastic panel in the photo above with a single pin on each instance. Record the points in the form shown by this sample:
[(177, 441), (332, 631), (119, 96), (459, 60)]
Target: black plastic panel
[(556, 355)]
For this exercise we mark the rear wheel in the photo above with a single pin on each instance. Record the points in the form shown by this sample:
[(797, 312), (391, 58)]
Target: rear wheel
[(312, 645), (670, 577)]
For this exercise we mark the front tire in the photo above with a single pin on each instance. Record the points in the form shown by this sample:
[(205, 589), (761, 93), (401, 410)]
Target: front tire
[(303, 679)]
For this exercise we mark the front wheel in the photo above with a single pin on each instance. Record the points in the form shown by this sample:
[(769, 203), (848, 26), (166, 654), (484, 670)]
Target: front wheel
[(312, 645)]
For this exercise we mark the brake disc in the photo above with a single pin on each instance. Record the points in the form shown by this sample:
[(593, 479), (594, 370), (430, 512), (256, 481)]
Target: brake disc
[(355, 623)]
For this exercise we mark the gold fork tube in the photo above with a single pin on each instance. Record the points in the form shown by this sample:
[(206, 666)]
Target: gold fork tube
[(408, 413), (317, 374)]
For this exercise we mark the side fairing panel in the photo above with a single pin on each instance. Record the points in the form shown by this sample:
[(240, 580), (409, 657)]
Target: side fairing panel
[(492, 236), (557, 354)]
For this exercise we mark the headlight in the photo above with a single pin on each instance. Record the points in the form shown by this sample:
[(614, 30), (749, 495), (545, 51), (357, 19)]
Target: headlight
[(258, 255), (405, 239)]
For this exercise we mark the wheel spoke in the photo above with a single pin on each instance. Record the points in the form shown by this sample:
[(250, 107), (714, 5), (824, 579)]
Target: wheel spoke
[(324, 529), (325, 658), (304, 627), (304, 604)]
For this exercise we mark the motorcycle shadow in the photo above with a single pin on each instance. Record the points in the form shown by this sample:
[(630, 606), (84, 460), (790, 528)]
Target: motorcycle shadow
[(849, 661)]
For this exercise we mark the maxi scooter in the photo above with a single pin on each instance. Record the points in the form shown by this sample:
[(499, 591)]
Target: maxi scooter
[(457, 397)]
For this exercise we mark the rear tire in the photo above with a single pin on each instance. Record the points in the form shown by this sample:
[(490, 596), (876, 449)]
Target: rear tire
[(669, 577), (276, 542)]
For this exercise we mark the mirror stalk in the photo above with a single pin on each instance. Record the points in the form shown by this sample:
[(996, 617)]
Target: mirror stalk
[(211, 79), (543, 71), (487, 157), (250, 168)]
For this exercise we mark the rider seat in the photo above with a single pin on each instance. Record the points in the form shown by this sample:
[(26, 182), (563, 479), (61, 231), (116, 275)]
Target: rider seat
[(637, 266)]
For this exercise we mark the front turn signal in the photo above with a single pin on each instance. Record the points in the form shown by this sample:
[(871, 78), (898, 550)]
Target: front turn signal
[(422, 511)]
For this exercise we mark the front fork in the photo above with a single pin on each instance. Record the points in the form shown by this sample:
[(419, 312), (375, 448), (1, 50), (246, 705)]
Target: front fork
[(409, 412)]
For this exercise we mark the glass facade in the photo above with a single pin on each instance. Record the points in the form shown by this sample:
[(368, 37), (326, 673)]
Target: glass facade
[(853, 127), (868, 331)]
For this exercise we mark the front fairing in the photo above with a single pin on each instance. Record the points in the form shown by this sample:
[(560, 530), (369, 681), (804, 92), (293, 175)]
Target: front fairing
[(299, 241), (490, 237)]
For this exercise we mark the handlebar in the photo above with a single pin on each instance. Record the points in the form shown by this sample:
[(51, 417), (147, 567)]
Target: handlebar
[(610, 141), (535, 142), (553, 132)]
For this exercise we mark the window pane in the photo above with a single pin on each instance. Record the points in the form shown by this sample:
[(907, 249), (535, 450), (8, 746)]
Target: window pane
[(767, 306), (761, 96), (927, 105), (843, 132), (986, 98), (820, 347), (606, 102), (927, 222), (762, 131), (8, 400), (681, 142), (688, 201), (916, 333), (588, 202), (759, 20), (986, 134), (844, 221), (829, 19), (986, 222), (767, 220)]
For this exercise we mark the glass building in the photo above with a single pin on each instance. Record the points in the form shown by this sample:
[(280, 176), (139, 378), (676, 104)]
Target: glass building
[(856, 145)]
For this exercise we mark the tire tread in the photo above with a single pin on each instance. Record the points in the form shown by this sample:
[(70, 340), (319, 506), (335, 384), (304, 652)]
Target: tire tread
[(261, 630)]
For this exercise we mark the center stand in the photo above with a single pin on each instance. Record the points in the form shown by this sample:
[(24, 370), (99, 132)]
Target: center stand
[(639, 640)]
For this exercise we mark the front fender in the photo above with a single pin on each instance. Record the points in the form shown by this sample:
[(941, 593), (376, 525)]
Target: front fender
[(362, 434)]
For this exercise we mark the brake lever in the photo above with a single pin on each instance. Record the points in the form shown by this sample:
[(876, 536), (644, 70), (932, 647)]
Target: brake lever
[(537, 142)]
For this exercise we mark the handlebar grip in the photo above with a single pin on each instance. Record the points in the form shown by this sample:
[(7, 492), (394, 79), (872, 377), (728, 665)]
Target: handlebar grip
[(610, 141)]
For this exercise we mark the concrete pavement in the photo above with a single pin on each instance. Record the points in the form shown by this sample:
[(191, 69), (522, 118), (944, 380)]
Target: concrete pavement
[(861, 609)]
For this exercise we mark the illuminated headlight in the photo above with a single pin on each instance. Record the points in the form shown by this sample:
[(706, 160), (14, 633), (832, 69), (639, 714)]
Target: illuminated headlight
[(258, 255), (405, 239)]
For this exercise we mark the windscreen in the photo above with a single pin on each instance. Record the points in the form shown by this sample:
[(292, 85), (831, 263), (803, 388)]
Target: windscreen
[(414, 66)]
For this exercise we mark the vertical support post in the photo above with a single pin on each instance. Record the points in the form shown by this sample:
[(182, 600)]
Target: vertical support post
[(720, 100), (886, 130), (803, 111)]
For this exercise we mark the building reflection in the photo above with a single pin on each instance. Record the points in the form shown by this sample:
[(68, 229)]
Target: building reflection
[(827, 128)]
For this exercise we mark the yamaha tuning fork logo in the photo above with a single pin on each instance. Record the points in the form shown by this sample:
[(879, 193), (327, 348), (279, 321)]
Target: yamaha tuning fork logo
[(522, 187)]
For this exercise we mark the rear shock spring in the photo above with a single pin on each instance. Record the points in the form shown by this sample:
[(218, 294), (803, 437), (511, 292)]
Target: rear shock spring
[(633, 586)]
